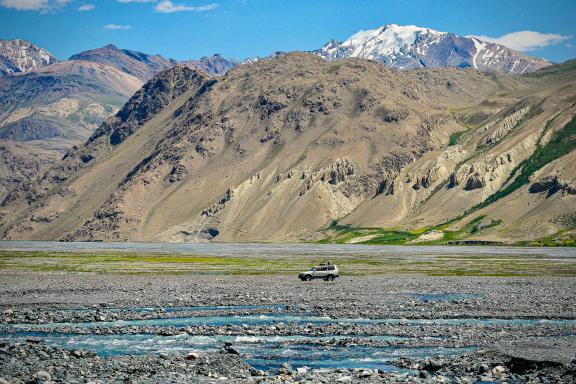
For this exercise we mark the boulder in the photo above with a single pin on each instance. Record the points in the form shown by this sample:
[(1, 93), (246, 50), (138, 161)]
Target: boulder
[(42, 377)]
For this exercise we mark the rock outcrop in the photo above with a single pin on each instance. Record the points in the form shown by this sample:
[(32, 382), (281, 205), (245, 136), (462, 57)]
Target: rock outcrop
[(553, 184)]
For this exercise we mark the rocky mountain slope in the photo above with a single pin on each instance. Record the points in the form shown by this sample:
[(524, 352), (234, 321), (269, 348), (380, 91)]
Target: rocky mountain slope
[(298, 148), (56, 105), (46, 111), (22, 56), (409, 47)]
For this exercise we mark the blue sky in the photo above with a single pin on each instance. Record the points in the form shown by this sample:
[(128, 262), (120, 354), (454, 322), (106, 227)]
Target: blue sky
[(186, 29)]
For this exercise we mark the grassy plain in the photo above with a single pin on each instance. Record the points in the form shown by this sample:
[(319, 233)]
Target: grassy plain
[(423, 263)]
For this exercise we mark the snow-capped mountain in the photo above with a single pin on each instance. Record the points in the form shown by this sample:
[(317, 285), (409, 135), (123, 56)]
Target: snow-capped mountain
[(408, 47), (23, 56)]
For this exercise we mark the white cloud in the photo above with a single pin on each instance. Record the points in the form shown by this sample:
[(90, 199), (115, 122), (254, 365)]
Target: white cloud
[(86, 8), (25, 5), (166, 6), (117, 27), (136, 1), (526, 40), (33, 5)]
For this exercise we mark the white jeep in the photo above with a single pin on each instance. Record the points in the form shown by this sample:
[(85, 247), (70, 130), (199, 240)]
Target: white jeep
[(327, 272)]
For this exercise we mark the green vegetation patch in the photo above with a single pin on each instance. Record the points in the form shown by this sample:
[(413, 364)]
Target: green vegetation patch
[(383, 236), (380, 236), (563, 238), (473, 227), (560, 144), (349, 264), (455, 137)]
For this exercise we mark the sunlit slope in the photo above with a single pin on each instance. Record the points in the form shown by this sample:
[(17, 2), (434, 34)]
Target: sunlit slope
[(280, 149), (47, 111)]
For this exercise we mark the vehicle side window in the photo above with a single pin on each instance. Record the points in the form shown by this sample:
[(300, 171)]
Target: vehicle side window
[(331, 268)]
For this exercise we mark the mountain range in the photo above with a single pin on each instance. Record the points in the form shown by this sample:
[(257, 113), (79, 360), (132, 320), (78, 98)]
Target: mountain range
[(409, 47), (297, 148), (323, 146), (47, 106)]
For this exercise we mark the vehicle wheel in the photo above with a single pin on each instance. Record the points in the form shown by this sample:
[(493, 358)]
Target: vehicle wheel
[(330, 278), (307, 278)]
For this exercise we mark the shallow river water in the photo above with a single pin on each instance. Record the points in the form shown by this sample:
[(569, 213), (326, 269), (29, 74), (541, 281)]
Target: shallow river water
[(271, 250), (261, 351)]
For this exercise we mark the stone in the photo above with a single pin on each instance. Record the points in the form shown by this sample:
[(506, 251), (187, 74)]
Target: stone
[(231, 351), (366, 373), (192, 356), (204, 371), (498, 370), (432, 365), (42, 377)]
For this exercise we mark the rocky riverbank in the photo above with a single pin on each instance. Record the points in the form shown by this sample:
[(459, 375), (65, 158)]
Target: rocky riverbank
[(375, 296), (250, 329), (34, 362)]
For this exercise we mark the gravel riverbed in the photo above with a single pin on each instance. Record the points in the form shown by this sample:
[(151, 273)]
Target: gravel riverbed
[(63, 327)]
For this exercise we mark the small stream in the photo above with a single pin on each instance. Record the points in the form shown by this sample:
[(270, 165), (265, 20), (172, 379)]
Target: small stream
[(261, 351)]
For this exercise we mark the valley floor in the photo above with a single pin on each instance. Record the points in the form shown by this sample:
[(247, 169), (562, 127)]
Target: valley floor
[(153, 328)]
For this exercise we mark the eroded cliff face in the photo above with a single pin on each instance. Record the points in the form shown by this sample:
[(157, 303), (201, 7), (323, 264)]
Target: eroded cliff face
[(490, 170), (278, 149)]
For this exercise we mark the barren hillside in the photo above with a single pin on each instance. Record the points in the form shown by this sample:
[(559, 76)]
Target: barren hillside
[(283, 149)]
